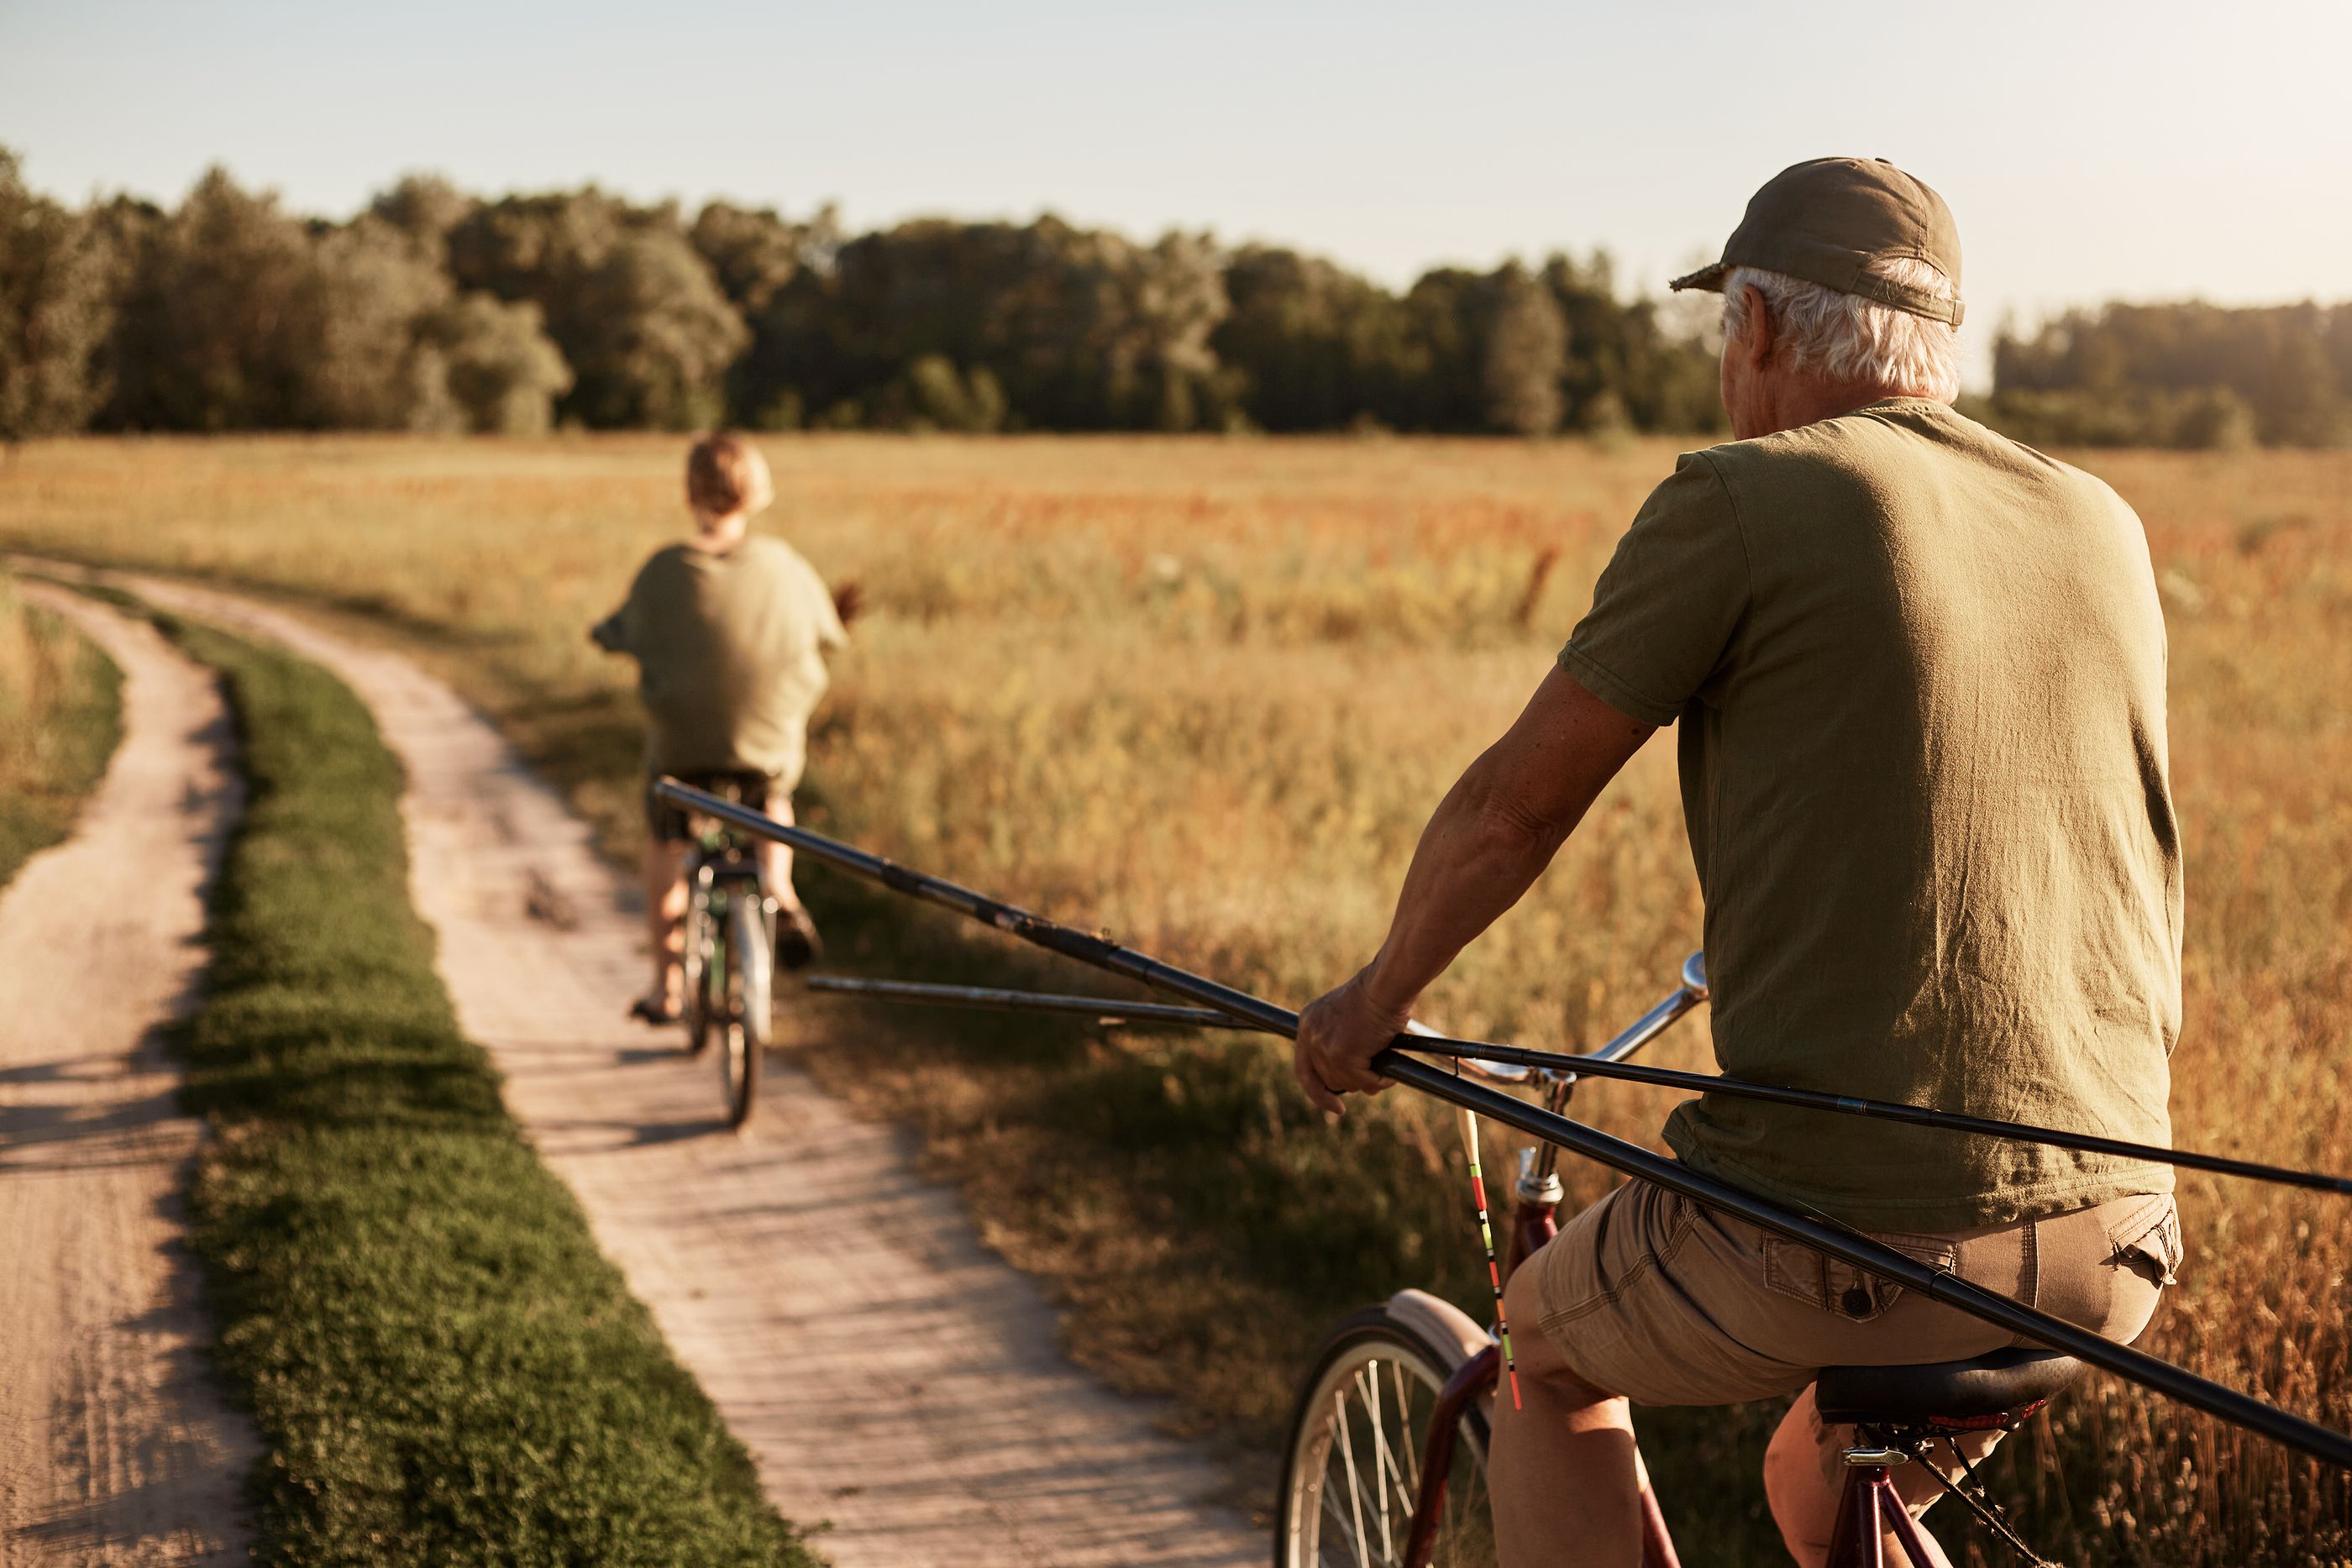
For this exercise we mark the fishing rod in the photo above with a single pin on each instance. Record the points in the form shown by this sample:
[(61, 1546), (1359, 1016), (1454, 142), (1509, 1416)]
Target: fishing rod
[(1485, 1056), (1825, 1237), (1886, 1111), (1103, 1009)]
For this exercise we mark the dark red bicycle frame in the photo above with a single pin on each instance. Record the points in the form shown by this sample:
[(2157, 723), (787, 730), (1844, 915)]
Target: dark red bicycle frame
[(1868, 1508)]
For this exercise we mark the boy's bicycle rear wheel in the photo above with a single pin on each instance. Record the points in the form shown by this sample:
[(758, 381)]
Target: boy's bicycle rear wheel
[(750, 958), (1351, 1469), (695, 959)]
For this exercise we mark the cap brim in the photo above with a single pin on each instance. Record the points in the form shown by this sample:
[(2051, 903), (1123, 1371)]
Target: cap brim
[(1708, 277)]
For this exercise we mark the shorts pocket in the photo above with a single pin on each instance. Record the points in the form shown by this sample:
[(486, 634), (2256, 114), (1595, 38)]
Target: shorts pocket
[(1602, 1265), (2146, 1241), (1835, 1286)]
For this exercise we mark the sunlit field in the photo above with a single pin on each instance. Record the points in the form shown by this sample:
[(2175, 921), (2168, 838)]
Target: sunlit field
[(1201, 693)]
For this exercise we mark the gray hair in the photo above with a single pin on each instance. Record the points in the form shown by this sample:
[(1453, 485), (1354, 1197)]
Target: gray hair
[(1852, 339)]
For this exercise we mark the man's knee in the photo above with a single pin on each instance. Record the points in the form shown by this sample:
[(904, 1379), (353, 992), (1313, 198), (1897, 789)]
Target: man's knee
[(1523, 1310), (1540, 1359)]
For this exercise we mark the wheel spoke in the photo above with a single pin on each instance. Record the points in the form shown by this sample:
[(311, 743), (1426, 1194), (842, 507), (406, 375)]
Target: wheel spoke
[(1384, 1466), (1404, 1416), (1407, 1489), (1340, 1519), (1355, 1487)]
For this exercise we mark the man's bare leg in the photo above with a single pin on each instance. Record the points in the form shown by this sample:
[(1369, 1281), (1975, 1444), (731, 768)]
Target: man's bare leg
[(1564, 1468), (1804, 1476), (665, 868)]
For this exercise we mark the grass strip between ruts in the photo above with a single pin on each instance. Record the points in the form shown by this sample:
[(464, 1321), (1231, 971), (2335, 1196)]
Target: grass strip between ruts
[(443, 1367)]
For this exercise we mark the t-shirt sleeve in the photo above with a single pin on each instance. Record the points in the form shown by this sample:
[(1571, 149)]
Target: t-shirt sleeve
[(619, 632), (1667, 606), (830, 632)]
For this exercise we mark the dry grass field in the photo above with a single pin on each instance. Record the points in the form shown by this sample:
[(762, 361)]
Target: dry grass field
[(60, 716), (1203, 693)]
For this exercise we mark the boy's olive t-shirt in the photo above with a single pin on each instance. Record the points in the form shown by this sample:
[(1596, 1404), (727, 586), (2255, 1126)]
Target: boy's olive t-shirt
[(1919, 671), (730, 656)]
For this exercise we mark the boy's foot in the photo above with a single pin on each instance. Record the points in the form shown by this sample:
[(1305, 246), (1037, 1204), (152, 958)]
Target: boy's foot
[(797, 943), (655, 1011)]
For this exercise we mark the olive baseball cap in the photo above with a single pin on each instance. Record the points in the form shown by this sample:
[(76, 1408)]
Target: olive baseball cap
[(1827, 220)]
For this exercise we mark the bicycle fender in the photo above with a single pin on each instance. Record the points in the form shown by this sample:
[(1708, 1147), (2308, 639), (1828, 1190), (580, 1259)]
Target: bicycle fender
[(1449, 1330)]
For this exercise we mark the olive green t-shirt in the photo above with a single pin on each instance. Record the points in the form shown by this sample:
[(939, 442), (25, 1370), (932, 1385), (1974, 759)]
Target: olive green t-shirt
[(1919, 671), (730, 656)]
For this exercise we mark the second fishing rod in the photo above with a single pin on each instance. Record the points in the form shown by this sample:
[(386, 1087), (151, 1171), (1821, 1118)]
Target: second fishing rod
[(1485, 1055)]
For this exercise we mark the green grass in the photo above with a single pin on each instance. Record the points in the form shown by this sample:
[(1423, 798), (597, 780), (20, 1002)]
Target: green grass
[(60, 720), (443, 1368)]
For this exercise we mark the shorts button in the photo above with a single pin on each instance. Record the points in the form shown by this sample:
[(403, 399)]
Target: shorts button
[(1856, 1301)]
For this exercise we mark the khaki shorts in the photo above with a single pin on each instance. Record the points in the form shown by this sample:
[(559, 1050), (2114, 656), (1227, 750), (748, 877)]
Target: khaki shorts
[(1647, 1295)]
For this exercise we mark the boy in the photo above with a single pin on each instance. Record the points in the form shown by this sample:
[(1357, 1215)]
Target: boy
[(729, 633)]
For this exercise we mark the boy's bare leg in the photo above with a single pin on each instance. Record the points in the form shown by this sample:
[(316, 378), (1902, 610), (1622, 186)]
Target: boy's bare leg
[(665, 867), (797, 943), (776, 859), (1564, 1468)]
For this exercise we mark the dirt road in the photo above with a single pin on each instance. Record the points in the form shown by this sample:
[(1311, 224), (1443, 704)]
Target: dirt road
[(890, 1376), (114, 1447)]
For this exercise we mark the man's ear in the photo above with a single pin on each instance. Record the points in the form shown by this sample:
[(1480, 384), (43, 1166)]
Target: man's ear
[(1754, 343)]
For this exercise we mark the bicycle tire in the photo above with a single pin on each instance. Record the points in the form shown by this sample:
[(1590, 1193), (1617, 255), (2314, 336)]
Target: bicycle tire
[(1337, 1435), (751, 978), (695, 959)]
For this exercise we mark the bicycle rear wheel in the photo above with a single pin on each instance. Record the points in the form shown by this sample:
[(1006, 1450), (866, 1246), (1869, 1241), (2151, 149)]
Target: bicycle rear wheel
[(1352, 1467), (700, 934), (751, 971)]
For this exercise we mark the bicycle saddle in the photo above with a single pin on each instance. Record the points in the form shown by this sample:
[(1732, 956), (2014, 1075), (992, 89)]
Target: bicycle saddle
[(1985, 1386)]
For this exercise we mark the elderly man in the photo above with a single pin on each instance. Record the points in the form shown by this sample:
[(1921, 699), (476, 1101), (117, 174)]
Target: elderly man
[(1919, 675)]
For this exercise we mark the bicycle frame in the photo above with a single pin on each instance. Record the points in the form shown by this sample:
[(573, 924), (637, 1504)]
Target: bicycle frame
[(720, 865), (711, 881), (1869, 1507)]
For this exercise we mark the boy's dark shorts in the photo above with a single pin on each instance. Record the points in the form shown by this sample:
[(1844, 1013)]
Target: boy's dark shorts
[(667, 822)]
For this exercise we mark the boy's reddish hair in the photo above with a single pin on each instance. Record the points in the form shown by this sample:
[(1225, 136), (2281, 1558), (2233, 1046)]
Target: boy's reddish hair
[(725, 474)]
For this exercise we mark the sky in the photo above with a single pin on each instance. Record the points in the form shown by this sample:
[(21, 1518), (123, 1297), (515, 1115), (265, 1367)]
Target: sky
[(2160, 150)]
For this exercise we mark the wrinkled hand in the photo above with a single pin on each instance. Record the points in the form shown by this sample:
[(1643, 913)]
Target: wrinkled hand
[(847, 600), (1338, 1035)]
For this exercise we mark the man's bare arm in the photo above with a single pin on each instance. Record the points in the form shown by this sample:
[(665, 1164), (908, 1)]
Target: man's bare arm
[(1491, 837)]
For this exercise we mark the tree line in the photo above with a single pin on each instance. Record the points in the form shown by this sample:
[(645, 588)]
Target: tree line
[(2181, 375), (438, 310)]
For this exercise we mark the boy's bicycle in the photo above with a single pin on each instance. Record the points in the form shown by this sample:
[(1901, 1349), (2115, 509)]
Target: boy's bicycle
[(1385, 1465), (730, 960)]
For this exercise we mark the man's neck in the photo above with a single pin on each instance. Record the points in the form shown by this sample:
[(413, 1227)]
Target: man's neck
[(1809, 400)]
